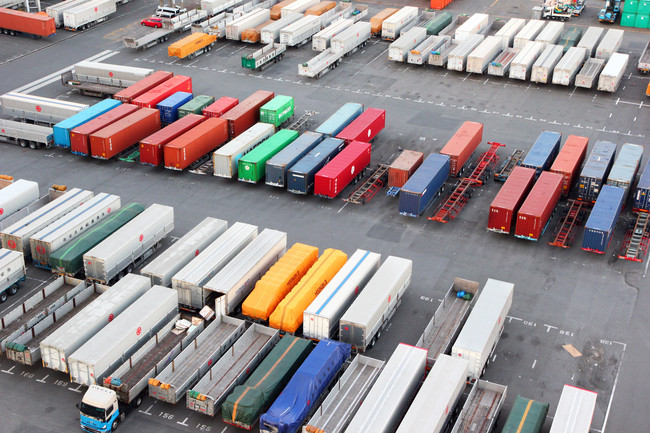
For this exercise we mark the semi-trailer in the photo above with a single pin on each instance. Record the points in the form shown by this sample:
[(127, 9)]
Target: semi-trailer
[(247, 21), (169, 106), (80, 136), (124, 133), (543, 66), (528, 33), (254, 34), (321, 317), (17, 195), (403, 167), (226, 158), (196, 143), (480, 334), (264, 57), (171, 384), (278, 110), (610, 44), (365, 127), (12, 271), (424, 186), (351, 39), (595, 171), (535, 213), (461, 146), (191, 46), (195, 106), (56, 10), (588, 75), (15, 22), (641, 199), (344, 168), (320, 8), (37, 108), (301, 176), (568, 66), (612, 74), (173, 259), (300, 32), (543, 153), (481, 57), (251, 167), (144, 85), (128, 246), (501, 65), (151, 98), (389, 398), (376, 21), (509, 30), (509, 199), (278, 166), (297, 7), (151, 147), (87, 14), (570, 38), (271, 33), (341, 118), (361, 325), (526, 416), (420, 54), (439, 57), (625, 167), (569, 160), (477, 23), (63, 129), (246, 113), (575, 410), (109, 74), (481, 409), (602, 220), (398, 50), (276, 9), (590, 40), (59, 346), (551, 33), (26, 134), (644, 61), (522, 64), (392, 25), (220, 107), (457, 57), (321, 40)]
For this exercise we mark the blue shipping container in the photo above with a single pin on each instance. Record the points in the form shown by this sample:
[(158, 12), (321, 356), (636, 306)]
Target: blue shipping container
[(62, 129), (602, 220), (642, 194), (595, 171), (278, 166), (169, 107), (300, 178), (424, 185), (340, 119), (625, 167), (543, 152), (292, 406)]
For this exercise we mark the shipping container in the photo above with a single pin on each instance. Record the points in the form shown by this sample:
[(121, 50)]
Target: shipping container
[(588, 75), (191, 279), (321, 317), (509, 199), (192, 45), (526, 416), (254, 34), (338, 121), (361, 324), (86, 14), (69, 260), (392, 25), (551, 33), (16, 196), (570, 38), (80, 136), (220, 107), (543, 153), (301, 176), (169, 106), (462, 145), (420, 54), (479, 59), (403, 167), (543, 66), (271, 33), (195, 106), (475, 24), (247, 112), (56, 10), (365, 127), (151, 98), (508, 32), (130, 93), (38, 109), (226, 158), (151, 147), (389, 398), (124, 133), (297, 7), (522, 64), (321, 40), (37, 24), (61, 344), (345, 167), (424, 186), (279, 165), (252, 166), (439, 22), (642, 193), (569, 160), (278, 110), (568, 66), (351, 39), (300, 32), (108, 74), (612, 74), (602, 220), (376, 22), (535, 213), (575, 410), (199, 141), (590, 40), (305, 388), (457, 57), (62, 129), (625, 168), (610, 44), (276, 9), (288, 315), (398, 50), (480, 334), (246, 21), (248, 401), (528, 33), (595, 171)]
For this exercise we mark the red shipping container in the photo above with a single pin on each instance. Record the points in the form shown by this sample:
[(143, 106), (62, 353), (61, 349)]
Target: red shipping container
[(220, 107), (119, 136), (461, 146), (147, 83), (536, 211), (569, 160), (150, 99), (195, 143), (80, 136), (505, 205), (341, 170), (403, 167), (246, 113), (365, 127), (151, 148), (39, 24), (439, 4)]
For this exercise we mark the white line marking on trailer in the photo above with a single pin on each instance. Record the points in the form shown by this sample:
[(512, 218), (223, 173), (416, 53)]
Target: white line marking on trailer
[(43, 380), (77, 389), (9, 371), (534, 364), (146, 412), (183, 423)]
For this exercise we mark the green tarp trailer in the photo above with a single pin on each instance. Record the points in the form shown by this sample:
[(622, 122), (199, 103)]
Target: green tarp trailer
[(570, 38), (439, 22), (252, 166), (278, 110), (195, 106), (526, 416)]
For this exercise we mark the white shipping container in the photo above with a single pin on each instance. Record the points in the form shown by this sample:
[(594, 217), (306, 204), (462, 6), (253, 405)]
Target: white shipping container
[(16, 236), (247, 21), (458, 56), (481, 332), (613, 72), (590, 40), (225, 158), (56, 10), (34, 107), (501, 65), (398, 50), (508, 32), (523, 62), (16, 196), (349, 39), (299, 32), (528, 33), (236, 280), (420, 54), (568, 66), (85, 14), (433, 406), (12, 268), (56, 348), (475, 24), (479, 59), (393, 25), (588, 75), (390, 396), (118, 340), (297, 7), (173, 259), (190, 280), (551, 33), (321, 40), (321, 318), (610, 44), (575, 411), (104, 73), (271, 33), (543, 66)]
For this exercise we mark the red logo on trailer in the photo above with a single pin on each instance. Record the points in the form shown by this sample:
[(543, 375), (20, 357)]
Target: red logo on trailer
[(11, 244), (38, 108), (141, 238), (196, 253), (111, 317), (1, 209), (40, 249), (96, 11), (138, 331), (3, 130), (389, 299), (110, 74), (109, 210)]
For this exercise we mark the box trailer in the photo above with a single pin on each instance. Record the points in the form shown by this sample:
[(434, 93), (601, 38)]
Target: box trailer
[(62, 129), (124, 133), (420, 54), (551, 33), (247, 21), (535, 213), (528, 33), (365, 127), (390, 396), (458, 55), (246, 113), (481, 57), (88, 14), (278, 110), (169, 106), (351, 39), (110, 74), (56, 10), (543, 66), (481, 409), (376, 21), (568, 66), (602, 220), (80, 136), (321, 40), (398, 50), (344, 168), (300, 32), (254, 34), (588, 75), (151, 98), (509, 30), (475, 24), (37, 108), (644, 60), (480, 334), (297, 7), (361, 324), (569, 160), (195, 144), (271, 33), (301, 176), (461, 146), (220, 107), (16, 196), (641, 200), (526, 416), (144, 85), (26, 134), (173, 259), (612, 74), (570, 38), (341, 118), (424, 186), (392, 26), (12, 271), (595, 171), (522, 64), (252, 166), (279, 165), (590, 40), (509, 199), (625, 167), (575, 410), (129, 245), (543, 153), (151, 147), (59, 346), (610, 44), (403, 167), (226, 158), (500, 66), (191, 46)]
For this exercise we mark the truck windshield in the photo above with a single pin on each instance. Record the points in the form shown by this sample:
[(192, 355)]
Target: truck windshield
[(92, 411)]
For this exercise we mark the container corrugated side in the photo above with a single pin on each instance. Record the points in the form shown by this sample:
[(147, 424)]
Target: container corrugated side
[(424, 185), (279, 165), (596, 169), (509, 199), (602, 220), (569, 160), (340, 119), (543, 153), (462, 145), (535, 213)]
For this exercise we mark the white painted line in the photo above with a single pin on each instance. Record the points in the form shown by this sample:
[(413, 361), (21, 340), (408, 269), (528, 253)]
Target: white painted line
[(376, 57), (9, 371), (77, 389), (224, 429), (513, 318), (43, 380), (183, 423), (534, 364), (611, 397), (346, 203), (548, 327), (146, 412)]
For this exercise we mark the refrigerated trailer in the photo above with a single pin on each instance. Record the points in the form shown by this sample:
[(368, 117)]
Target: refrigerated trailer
[(38, 109), (523, 62), (87, 14), (51, 195), (26, 134), (17, 195), (393, 25), (300, 32), (612, 74), (543, 66), (481, 57), (271, 33), (420, 54), (321, 40), (398, 50), (575, 410), (12, 272), (568, 66), (458, 56)]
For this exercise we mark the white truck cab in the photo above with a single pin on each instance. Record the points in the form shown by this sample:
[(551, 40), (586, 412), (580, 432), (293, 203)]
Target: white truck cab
[(100, 411)]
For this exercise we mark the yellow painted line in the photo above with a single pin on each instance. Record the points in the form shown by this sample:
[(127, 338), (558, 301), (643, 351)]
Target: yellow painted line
[(523, 418), (495, 2)]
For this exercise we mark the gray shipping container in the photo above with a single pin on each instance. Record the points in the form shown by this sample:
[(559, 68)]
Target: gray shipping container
[(610, 44), (590, 40), (225, 159), (56, 348), (16, 196), (625, 167), (118, 340), (543, 66), (588, 75), (165, 266)]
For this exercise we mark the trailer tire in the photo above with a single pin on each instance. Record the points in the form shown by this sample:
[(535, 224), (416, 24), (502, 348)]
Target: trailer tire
[(13, 289), (3, 297), (22, 142), (138, 402), (33, 145)]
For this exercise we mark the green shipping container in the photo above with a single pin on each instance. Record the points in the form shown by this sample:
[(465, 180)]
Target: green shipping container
[(195, 106), (631, 6), (277, 111), (252, 166), (439, 22), (248, 401), (570, 38), (642, 21), (628, 20), (69, 259), (526, 416), (644, 7)]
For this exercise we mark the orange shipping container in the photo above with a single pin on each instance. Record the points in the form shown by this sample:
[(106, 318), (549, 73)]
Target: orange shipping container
[(190, 44), (439, 4), (378, 20), (462, 145), (276, 11), (288, 315), (279, 280), (569, 160), (403, 167), (253, 35), (320, 8), (36, 24)]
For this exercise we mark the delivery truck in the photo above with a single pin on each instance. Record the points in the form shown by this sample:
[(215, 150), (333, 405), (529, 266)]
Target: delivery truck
[(15, 22)]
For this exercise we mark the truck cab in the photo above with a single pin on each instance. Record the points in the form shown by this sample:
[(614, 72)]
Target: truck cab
[(99, 410)]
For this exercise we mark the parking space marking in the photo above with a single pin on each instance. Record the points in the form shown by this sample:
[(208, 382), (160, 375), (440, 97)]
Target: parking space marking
[(183, 423), (77, 389), (43, 380), (8, 371), (146, 412)]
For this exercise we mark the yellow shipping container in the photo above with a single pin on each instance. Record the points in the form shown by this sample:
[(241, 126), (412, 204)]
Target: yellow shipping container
[(378, 20), (254, 34), (276, 11), (288, 315), (320, 8), (279, 280), (190, 44)]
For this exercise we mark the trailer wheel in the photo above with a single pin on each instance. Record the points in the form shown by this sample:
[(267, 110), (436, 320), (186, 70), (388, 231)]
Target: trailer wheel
[(13, 289), (3, 297), (22, 142), (138, 402), (33, 145)]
